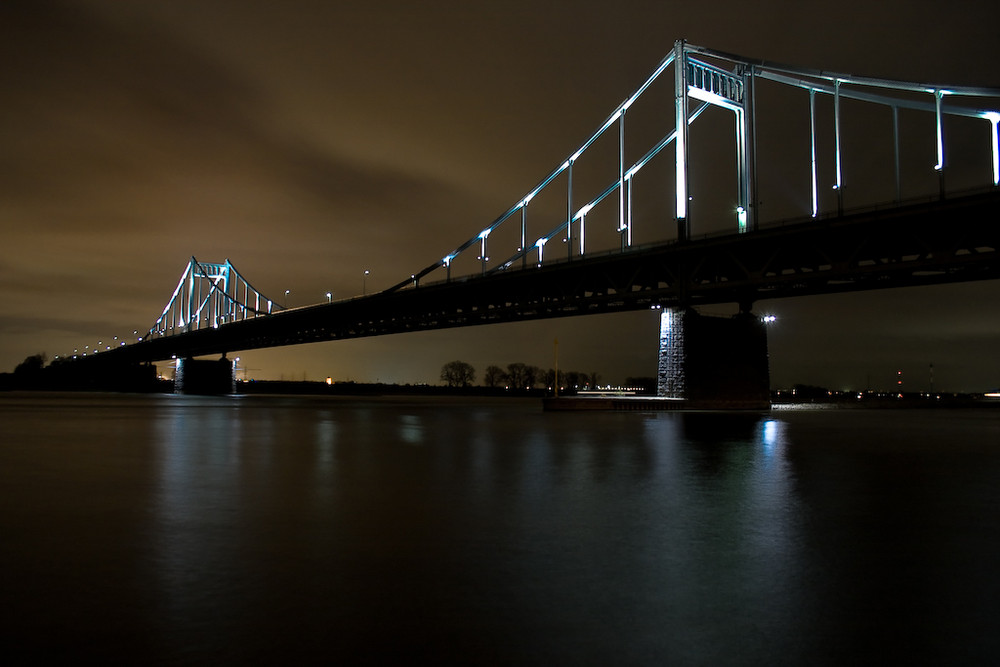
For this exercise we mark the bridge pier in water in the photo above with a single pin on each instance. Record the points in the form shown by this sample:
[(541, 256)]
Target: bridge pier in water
[(713, 362), (205, 376)]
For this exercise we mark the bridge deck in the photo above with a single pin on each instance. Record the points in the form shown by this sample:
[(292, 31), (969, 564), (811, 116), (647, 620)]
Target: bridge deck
[(948, 240)]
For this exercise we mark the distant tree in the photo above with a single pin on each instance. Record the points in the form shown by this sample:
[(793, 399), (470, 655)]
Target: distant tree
[(516, 375), (532, 374), (31, 365), (549, 378), (571, 379), (458, 374), (494, 377), (28, 373), (592, 380)]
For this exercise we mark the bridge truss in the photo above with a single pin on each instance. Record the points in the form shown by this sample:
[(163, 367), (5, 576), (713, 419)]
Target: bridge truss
[(705, 78), (823, 249), (207, 296)]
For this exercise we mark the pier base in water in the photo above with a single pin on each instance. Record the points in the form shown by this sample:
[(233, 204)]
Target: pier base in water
[(713, 362), (705, 363), (203, 376)]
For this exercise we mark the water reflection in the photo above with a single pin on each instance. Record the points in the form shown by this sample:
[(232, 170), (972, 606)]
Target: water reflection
[(348, 530), (411, 429), (550, 513)]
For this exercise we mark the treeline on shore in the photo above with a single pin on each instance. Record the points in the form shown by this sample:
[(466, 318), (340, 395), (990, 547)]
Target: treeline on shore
[(519, 376), (456, 376)]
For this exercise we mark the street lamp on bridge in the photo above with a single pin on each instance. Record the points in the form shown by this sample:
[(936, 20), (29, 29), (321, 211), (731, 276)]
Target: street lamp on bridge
[(364, 283)]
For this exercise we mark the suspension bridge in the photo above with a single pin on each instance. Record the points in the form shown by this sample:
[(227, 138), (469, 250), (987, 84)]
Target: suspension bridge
[(869, 184)]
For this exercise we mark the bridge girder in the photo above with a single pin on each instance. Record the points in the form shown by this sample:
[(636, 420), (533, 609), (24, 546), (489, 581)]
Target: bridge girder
[(934, 242)]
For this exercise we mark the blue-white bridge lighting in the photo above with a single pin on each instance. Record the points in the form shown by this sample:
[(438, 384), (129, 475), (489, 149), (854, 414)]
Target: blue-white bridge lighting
[(705, 78), (209, 296)]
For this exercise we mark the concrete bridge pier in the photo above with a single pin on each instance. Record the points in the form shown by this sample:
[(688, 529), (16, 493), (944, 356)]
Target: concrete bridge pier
[(713, 362), (205, 376)]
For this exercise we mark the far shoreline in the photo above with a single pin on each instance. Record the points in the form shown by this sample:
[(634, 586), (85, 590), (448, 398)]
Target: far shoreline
[(812, 398)]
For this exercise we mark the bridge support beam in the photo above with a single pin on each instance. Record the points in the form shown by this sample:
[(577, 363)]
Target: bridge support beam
[(713, 362), (204, 376)]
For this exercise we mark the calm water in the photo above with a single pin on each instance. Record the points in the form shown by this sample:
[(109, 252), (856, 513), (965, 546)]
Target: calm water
[(174, 529)]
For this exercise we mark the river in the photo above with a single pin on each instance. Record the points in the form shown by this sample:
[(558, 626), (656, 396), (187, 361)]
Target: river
[(162, 529)]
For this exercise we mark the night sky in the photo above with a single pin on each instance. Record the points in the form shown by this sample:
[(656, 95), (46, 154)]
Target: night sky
[(307, 143)]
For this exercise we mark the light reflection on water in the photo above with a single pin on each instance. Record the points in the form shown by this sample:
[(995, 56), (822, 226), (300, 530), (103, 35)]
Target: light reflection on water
[(184, 529)]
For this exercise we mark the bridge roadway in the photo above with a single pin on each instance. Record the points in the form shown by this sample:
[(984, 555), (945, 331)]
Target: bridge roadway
[(940, 241)]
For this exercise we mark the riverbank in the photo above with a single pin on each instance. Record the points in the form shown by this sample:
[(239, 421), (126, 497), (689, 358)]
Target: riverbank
[(373, 389), (885, 401)]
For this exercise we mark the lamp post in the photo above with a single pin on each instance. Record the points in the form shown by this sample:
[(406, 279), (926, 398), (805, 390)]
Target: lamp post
[(329, 297), (364, 283), (285, 304)]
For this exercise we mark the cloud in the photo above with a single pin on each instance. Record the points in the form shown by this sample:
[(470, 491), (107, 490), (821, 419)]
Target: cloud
[(124, 147), (310, 145)]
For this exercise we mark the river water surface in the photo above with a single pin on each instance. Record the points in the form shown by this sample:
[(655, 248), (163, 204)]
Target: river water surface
[(251, 529)]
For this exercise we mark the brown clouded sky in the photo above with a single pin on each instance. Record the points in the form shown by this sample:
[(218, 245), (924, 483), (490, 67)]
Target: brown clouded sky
[(307, 143)]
